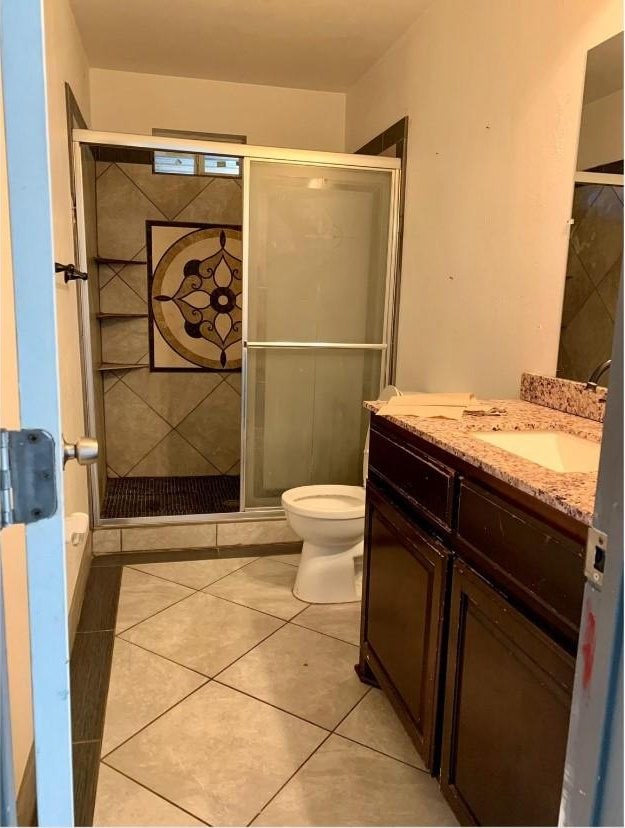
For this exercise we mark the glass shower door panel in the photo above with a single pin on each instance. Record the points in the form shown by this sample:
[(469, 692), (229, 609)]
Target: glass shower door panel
[(305, 421), (318, 249)]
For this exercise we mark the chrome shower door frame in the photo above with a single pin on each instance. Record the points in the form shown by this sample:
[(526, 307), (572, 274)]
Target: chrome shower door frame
[(248, 152), (371, 163)]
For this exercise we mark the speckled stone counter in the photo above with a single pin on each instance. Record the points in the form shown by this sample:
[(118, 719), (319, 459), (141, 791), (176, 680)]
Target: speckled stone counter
[(572, 493), (565, 395)]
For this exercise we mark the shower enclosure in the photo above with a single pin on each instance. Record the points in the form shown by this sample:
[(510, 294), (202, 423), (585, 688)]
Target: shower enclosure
[(290, 316)]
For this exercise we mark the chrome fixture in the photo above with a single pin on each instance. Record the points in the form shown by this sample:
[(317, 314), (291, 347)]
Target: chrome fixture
[(598, 373), (84, 450)]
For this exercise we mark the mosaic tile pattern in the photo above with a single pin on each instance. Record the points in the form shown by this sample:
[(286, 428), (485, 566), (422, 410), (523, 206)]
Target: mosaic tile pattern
[(195, 307), (572, 493), (565, 395), (154, 496), (145, 413)]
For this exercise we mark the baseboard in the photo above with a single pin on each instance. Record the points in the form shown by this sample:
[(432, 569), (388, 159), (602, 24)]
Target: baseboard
[(79, 590), (26, 802)]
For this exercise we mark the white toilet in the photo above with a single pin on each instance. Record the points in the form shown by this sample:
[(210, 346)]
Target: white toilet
[(330, 519)]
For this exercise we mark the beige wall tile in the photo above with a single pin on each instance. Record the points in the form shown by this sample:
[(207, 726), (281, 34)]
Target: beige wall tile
[(124, 340), (170, 193), (106, 540), (122, 211), (117, 297), (251, 532), (221, 202), (172, 394), (193, 536), (132, 428), (214, 427), (173, 457)]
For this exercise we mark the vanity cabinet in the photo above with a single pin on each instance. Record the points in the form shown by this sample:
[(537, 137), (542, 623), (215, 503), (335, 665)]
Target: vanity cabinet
[(472, 595), (507, 707), (404, 582)]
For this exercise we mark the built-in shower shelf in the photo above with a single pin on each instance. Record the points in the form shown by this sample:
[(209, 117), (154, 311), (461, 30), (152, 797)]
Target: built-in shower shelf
[(121, 366), (121, 315), (102, 260)]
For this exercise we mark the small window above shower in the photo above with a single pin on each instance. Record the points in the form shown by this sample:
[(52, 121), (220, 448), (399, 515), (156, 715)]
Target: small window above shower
[(190, 163)]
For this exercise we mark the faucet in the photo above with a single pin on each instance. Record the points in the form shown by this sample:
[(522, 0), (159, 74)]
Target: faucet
[(597, 374)]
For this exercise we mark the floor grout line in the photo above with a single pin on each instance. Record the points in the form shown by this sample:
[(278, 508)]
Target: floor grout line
[(308, 758), (376, 750), (271, 704), (154, 614), (166, 658), (155, 719), (203, 591), (159, 795), (247, 652), (295, 772), (195, 589)]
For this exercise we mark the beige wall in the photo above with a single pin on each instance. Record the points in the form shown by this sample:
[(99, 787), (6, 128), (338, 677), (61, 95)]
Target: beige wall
[(268, 115), (494, 94), (13, 540), (66, 62)]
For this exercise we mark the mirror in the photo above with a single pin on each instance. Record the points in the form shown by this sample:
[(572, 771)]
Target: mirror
[(595, 254)]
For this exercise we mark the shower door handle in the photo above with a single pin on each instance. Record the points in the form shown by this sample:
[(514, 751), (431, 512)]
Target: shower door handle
[(84, 451)]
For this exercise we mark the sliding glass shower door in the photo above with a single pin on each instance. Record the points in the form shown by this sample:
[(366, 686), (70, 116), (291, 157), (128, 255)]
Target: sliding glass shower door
[(320, 248)]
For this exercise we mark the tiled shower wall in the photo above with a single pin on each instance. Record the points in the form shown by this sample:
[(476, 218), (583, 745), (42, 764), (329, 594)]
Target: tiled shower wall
[(593, 275), (166, 423)]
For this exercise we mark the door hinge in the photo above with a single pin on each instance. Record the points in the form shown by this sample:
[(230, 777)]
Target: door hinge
[(27, 478), (596, 551)]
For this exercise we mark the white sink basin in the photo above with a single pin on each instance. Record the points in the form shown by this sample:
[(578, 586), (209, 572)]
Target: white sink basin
[(554, 450)]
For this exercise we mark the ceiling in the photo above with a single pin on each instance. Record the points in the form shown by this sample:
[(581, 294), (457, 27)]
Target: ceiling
[(308, 44)]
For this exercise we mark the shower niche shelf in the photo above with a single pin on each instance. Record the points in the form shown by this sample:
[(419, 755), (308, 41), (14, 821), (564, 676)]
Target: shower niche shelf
[(121, 315), (121, 366), (103, 260)]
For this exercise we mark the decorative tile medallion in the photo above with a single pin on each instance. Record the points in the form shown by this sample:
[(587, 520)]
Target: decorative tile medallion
[(195, 296)]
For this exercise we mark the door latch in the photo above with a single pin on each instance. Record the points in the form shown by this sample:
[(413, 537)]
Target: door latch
[(596, 551), (27, 479), (84, 451)]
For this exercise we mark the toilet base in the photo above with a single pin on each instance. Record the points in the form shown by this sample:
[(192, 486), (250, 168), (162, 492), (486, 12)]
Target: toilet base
[(326, 575)]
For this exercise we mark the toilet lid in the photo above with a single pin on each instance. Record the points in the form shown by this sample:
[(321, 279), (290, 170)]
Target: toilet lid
[(331, 502)]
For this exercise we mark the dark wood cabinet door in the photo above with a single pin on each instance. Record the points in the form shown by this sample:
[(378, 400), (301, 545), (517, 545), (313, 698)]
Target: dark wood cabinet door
[(507, 707), (404, 585)]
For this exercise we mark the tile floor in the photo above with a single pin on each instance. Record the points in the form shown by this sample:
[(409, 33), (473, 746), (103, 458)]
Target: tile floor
[(231, 702)]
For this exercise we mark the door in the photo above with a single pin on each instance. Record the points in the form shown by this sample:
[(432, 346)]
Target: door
[(404, 579), (506, 712), (27, 157), (317, 287), (593, 780)]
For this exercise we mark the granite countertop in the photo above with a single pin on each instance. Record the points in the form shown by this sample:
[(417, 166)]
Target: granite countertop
[(572, 493)]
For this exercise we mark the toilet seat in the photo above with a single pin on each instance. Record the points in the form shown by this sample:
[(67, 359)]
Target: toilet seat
[(332, 502)]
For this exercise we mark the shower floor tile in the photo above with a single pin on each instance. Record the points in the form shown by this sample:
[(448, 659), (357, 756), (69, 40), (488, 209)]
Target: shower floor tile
[(128, 497)]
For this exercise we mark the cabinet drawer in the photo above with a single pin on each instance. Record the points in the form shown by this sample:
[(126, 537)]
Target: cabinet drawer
[(531, 561), (425, 483)]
